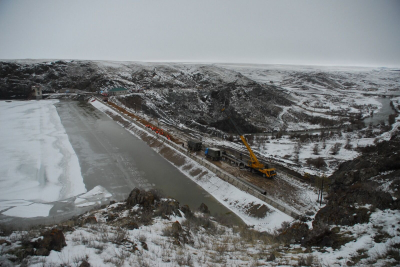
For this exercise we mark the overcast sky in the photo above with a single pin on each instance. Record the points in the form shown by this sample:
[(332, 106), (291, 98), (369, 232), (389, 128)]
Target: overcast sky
[(360, 33)]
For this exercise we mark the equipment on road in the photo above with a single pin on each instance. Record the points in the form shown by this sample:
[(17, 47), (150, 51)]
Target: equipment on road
[(213, 153), (253, 163), (195, 145)]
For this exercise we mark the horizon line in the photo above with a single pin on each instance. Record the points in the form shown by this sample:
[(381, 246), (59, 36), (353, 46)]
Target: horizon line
[(210, 62)]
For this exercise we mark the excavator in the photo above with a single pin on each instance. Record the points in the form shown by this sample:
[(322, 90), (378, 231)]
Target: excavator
[(253, 163)]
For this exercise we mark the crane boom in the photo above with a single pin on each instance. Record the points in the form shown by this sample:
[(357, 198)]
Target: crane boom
[(253, 162), (253, 159)]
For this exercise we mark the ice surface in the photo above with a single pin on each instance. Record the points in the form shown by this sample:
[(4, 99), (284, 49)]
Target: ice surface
[(37, 161), (33, 210), (98, 193)]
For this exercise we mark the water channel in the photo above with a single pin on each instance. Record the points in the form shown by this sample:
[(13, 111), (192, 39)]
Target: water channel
[(381, 116), (115, 159)]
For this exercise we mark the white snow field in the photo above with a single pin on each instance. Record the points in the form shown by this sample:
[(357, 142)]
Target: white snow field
[(37, 162)]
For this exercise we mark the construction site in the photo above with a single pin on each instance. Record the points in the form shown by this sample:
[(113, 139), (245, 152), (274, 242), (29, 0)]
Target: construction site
[(276, 185)]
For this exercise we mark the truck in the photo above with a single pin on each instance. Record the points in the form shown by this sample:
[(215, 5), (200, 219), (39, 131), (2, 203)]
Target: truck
[(195, 145), (213, 153), (253, 164)]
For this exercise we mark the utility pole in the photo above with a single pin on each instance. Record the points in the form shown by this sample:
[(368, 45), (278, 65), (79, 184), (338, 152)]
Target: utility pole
[(322, 190)]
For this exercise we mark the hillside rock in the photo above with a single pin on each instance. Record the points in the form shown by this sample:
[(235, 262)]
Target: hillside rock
[(146, 199), (355, 189), (52, 240)]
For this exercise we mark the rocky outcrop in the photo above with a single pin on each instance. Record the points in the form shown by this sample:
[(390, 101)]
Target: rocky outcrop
[(143, 198), (355, 189), (52, 240), (151, 202)]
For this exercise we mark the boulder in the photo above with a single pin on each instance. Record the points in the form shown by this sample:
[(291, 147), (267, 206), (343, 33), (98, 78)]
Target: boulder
[(203, 208), (143, 198), (186, 210), (52, 240)]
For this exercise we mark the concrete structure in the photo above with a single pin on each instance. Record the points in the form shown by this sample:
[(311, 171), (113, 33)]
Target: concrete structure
[(117, 91), (37, 91)]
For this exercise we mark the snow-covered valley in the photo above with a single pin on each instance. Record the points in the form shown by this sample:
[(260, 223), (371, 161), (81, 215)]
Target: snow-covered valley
[(316, 125)]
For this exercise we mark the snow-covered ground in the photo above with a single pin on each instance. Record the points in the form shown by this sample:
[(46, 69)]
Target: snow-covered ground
[(37, 162), (106, 243)]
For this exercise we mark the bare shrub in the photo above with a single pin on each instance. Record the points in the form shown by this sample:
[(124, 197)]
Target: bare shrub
[(297, 148), (348, 144), (119, 258), (284, 226), (96, 245), (120, 235), (394, 254), (251, 236), (194, 223), (305, 261), (318, 162), (316, 149), (184, 259), (336, 148), (296, 158), (79, 259), (146, 217)]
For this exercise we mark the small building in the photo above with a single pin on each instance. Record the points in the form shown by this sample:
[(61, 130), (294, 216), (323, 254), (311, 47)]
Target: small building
[(117, 91), (37, 92)]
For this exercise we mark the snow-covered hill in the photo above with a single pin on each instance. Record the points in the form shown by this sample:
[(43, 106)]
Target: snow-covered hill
[(260, 97)]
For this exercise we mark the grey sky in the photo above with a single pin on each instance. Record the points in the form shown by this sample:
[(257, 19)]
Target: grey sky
[(266, 32)]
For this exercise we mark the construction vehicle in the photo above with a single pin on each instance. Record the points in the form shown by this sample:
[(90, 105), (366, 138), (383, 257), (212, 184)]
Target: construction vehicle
[(194, 145), (253, 163), (213, 153)]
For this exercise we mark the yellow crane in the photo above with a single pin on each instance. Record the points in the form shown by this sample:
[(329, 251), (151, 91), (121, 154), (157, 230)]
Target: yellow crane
[(253, 163)]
